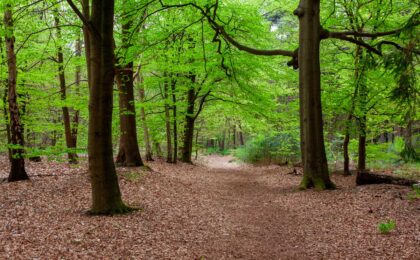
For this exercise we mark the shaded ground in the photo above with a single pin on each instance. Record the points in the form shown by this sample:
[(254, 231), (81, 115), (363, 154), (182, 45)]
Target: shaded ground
[(221, 210)]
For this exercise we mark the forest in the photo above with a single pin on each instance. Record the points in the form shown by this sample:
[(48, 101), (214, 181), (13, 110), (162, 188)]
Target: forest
[(209, 129)]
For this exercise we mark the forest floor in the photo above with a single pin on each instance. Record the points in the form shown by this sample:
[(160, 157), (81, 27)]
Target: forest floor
[(217, 209)]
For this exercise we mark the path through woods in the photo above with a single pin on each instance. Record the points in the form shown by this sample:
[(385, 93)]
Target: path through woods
[(217, 210)]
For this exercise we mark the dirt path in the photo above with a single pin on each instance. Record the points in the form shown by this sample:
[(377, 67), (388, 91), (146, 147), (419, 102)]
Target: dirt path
[(219, 210)]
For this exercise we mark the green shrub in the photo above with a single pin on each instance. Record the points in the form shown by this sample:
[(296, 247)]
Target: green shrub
[(386, 227), (217, 150), (275, 148)]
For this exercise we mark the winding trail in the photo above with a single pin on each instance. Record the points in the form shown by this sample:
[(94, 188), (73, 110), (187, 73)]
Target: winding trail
[(218, 209)]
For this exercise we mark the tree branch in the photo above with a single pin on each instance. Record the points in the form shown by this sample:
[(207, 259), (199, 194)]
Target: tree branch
[(84, 20)]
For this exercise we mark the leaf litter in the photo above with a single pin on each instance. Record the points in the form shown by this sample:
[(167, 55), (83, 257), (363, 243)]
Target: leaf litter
[(217, 209)]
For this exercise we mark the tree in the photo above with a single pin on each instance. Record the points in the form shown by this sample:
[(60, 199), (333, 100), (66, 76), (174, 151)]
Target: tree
[(70, 140), (106, 195), (17, 160), (128, 154)]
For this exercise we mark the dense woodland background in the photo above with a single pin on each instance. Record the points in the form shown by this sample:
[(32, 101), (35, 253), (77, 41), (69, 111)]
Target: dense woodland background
[(228, 129), (207, 77)]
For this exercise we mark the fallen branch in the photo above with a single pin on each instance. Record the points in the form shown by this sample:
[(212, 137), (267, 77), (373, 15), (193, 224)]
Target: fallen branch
[(366, 178)]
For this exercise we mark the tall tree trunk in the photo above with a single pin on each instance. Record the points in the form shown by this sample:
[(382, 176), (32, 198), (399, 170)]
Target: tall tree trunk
[(346, 146), (17, 171), (315, 167), (63, 91), (106, 195), (167, 122), (86, 11), (409, 153), (129, 153), (175, 123), (362, 100), (234, 136), (6, 118), (361, 165), (78, 76), (158, 149), (241, 136), (149, 154), (189, 126)]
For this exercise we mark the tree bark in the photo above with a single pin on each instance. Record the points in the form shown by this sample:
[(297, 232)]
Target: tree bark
[(78, 77), (106, 195), (129, 153), (6, 117), (149, 153), (346, 151), (167, 122), (189, 125), (315, 168), (72, 156), (241, 136), (17, 170), (175, 123)]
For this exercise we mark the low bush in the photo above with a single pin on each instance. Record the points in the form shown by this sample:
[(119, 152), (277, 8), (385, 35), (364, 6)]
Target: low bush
[(276, 148)]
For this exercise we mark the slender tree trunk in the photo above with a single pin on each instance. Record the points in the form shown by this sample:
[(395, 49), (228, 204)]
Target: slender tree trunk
[(346, 147), (149, 154), (361, 165), (362, 99), (86, 10), (158, 149), (189, 126), (6, 119), (234, 136), (167, 122), (106, 195), (315, 167), (175, 124), (78, 76), (17, 171), (196, 143), (241, 136), (63, 91)]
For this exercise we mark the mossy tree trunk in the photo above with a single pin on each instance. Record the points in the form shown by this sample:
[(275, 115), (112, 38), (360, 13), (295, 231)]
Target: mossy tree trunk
[(315, 172)]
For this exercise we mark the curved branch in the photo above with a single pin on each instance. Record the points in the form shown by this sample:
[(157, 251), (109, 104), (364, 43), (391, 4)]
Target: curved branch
[(219, 29), (373, 35)]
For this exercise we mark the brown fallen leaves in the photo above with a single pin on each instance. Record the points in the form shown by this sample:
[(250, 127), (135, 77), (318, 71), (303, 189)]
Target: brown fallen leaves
[(190, 212)]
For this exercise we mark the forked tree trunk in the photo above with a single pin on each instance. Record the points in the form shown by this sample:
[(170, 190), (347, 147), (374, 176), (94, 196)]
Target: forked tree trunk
[(17, 161), (71, 146), (315, 168), (149, 153), (106, 195), (189, 126)]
